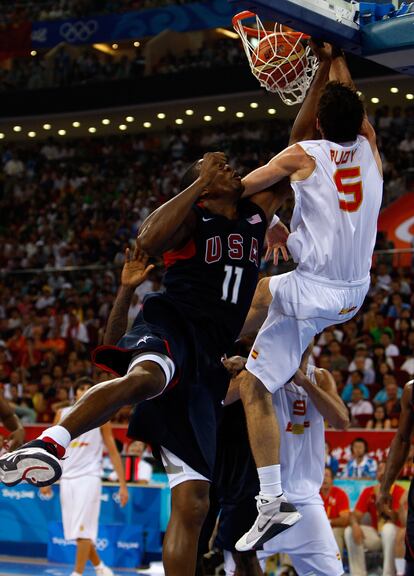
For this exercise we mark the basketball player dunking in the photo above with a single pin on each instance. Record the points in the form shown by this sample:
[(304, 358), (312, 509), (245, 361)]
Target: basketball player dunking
[(169, 363), (338, 190)]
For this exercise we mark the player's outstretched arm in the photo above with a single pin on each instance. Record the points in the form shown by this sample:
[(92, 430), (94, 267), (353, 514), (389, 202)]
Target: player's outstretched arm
[(399, 448), (134, 273), (304, 127), (170, 225), (12, 424), (325, 397)]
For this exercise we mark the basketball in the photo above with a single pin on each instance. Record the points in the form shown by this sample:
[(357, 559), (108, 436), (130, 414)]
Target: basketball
[(280, 59)]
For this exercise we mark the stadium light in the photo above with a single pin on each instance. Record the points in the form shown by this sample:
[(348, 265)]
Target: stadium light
[(189, 112), (33, 53), (161, 115), (92, 129), (76, 124), (17, 128), (147, 124), (106, 121), (61, 132), (122, 127), (409, 96), (137, 44), (375, 100), (1, 136), (129, 118), (179, 121), (31, 134), (271, 111), (239, 114), (47, 126), (394, 90), (254, 105), (221, 108), (207, 118)]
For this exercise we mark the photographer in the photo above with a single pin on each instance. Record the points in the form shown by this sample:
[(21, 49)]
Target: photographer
[(379, 534)]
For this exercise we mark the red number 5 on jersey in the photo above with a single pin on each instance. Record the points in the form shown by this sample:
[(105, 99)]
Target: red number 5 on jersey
[(348, 181)]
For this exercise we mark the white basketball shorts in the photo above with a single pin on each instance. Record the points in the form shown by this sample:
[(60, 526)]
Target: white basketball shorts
[(302, 306), (80, 499)]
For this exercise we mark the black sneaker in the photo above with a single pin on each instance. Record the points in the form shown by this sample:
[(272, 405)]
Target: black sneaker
[(36, 462)]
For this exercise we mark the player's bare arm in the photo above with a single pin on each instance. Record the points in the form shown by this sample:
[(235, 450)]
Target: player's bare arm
[(12, 424), (399, 449), (108, 439), (293, 162), (304, 127), (134, 273), (172, 224), (325, 397)]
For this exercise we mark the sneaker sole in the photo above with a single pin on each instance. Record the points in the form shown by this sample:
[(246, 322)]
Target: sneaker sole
[(273, 531), (34, 467)]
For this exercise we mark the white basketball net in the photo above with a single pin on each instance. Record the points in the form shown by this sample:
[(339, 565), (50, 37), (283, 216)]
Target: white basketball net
[(289, 65)]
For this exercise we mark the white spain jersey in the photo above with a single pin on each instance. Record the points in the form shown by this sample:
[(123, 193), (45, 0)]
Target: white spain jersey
[(84, 455), (302, 442), (334, 222)]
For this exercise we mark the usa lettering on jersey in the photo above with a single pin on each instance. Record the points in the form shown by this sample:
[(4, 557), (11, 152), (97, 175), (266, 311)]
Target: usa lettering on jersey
[(235, 249)]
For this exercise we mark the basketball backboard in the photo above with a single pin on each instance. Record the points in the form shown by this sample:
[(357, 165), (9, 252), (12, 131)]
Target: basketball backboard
[(374, 30)]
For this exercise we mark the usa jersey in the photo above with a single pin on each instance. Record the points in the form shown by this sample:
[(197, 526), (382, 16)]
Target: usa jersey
[(212, 279), (302, 441), (334, 222)]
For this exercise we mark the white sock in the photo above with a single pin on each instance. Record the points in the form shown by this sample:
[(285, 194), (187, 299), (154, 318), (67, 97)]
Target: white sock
[(270, 481), (76, 574), (59, 434), (400, 566), (100, 566)]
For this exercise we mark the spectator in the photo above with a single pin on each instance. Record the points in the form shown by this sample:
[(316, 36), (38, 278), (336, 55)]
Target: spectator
[(390, 397), (336, 503), (380, 534), (359, 409), (390, 348), (397, 307), (361, 465), (337, 360), (143, 468), (356, 381), (330, 460), (380, 420)]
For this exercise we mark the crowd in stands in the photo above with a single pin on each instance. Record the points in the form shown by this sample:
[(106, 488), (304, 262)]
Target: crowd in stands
[(63, 67), (33, 10), (69, 208)]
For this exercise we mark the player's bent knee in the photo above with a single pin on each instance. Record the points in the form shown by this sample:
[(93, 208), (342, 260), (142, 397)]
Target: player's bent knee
[(145, 381), (190, 506)]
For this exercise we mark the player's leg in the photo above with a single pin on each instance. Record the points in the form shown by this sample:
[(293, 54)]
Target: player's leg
[(356, 553), (388, 536), (275, 357), (189, 507), (399, 552), (37, 462), (83, 549)]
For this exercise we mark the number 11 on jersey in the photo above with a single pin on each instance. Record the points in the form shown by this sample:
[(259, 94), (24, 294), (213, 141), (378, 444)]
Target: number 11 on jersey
[(232, 273)]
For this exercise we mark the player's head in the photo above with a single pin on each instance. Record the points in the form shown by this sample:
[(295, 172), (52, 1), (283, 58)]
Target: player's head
[(340, 113), (226, 183), (381, 471), (82, 385)]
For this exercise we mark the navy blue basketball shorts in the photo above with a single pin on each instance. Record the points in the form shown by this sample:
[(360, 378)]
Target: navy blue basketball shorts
[(181, 423)]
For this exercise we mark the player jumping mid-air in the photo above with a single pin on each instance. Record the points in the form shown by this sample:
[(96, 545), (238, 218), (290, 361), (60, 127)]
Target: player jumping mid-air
[(337, 181)]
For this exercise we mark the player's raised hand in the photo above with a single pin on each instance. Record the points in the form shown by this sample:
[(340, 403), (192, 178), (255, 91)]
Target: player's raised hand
[(136, 268), (322, 50), (276, 238), (211, 164)]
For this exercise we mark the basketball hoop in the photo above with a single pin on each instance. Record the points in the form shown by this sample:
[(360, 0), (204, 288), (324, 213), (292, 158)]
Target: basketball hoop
[(280, 58)]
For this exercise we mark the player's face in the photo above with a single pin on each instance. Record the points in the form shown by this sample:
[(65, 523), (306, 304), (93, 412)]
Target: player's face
[(327, 480), (227, 182), (81, 391)]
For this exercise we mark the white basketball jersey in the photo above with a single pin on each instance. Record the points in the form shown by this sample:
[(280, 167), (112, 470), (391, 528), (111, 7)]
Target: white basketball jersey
[(84, 455), (302, 441), (334, 222)]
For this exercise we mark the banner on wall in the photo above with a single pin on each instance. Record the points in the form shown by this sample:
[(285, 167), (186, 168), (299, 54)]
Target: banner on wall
[(117, 545), (132, 25), (378, 442), (397, 220)]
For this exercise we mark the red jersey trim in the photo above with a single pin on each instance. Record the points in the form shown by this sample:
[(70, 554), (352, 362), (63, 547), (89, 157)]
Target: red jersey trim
[(185, 253)]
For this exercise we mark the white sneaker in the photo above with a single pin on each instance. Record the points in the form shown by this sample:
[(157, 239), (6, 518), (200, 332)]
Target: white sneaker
[(104, 571), (275, 516)]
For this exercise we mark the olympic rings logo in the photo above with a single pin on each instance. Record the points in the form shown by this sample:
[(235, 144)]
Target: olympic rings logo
[(101, 544), (79, 31)]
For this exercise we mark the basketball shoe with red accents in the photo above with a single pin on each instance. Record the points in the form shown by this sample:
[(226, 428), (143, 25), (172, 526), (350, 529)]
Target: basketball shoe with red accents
[(36, 462)]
